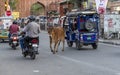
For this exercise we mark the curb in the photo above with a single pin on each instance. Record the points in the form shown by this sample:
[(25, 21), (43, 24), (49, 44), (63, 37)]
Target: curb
[(108, 42)]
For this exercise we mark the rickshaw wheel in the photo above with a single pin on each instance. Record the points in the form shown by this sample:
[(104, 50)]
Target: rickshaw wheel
[(69, 43), (94, 46), (78, 46)]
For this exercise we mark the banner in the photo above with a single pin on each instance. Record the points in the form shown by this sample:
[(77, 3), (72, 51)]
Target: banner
[(15, 15), (111, 23), (101, 6)]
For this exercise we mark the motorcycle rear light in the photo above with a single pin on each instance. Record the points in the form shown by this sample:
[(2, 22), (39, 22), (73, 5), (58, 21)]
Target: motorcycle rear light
[(14, 38), (34, 41)]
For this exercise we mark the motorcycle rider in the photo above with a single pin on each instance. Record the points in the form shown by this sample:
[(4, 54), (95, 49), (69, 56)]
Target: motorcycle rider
[(32, 30), (22, 38), (14, 28)]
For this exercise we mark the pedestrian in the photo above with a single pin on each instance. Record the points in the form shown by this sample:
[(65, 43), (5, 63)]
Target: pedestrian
[(22, 38)]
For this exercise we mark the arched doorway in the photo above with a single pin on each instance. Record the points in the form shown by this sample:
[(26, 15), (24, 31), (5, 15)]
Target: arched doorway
[(37, 9)]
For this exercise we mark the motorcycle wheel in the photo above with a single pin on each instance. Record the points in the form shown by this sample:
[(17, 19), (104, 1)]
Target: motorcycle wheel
[(33, 55), (69, 43), (24, 55), (94, 46), (14, 47)]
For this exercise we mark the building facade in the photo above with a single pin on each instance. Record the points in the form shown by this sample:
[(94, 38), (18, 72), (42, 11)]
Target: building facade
[(24, 6), (2, 7), (115, 7)]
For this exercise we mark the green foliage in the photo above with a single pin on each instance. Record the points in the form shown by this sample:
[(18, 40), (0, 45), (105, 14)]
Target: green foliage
[(73, 1), (37, 9), (4, 0), (77, 3), (13, 4)]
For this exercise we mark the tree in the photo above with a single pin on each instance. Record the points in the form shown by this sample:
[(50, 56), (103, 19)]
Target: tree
[(13, 4), (77, 3), (37, 9), (4, 0)]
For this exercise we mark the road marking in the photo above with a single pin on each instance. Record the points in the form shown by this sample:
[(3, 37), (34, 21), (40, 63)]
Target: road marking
[(89, 64), (36, 71)]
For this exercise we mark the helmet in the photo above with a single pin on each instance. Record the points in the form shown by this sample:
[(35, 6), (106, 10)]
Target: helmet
[(31, 18), (14, 22)]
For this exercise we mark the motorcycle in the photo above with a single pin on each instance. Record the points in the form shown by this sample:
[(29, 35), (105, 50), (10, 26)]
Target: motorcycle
[(14, 40), (31, 47)]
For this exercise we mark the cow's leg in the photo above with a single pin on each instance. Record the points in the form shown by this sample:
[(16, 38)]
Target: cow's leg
[(54, 51), (51, 44), (51, 47), (63, 44), (58, 43), (55, 47)]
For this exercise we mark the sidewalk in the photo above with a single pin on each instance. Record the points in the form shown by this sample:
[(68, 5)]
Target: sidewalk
[(113, 42)]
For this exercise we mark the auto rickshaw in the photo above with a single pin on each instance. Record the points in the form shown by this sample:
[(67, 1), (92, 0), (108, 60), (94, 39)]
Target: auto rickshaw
[(82, 29), (5, 23)]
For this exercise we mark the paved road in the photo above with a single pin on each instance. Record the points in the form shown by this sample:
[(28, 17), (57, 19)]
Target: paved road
[(103, 61)]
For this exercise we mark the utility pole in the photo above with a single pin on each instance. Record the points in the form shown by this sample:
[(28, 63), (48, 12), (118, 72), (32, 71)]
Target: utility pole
[(67, 6)]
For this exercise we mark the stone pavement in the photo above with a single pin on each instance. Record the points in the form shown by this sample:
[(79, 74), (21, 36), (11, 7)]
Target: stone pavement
[(111, 41)]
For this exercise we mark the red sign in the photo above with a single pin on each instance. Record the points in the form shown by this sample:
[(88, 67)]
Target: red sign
[(101, 10), (8, 13)]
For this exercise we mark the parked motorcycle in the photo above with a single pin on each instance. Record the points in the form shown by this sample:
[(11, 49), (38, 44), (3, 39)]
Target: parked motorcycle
[(31, 47)]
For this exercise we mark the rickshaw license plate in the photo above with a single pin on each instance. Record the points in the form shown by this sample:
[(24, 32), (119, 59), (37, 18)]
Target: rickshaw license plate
[(88, 38)]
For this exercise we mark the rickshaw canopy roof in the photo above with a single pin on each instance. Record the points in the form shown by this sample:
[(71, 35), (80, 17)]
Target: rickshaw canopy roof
[(81, 13)]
